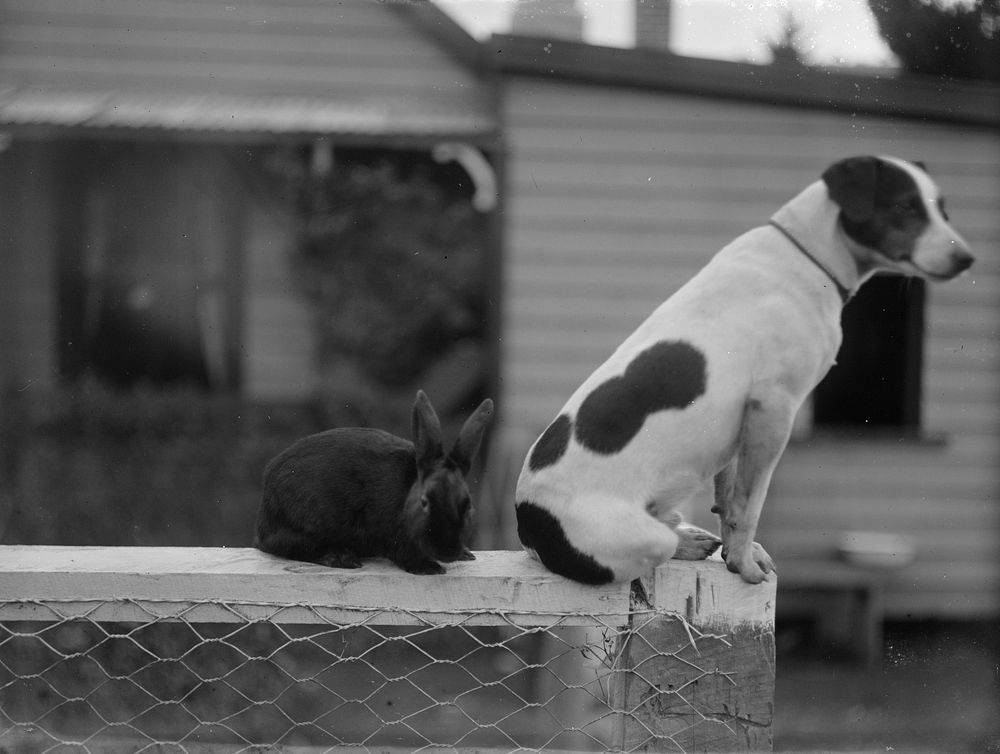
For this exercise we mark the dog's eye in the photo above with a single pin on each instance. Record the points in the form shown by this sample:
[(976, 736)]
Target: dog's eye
[(944, 213), (905, 211)]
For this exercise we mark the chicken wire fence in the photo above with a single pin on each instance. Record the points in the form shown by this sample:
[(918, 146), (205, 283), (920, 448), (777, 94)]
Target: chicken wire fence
[(165, 681)]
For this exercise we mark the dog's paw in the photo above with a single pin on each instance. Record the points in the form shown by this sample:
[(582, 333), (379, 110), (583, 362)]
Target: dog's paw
[(762, 559), (694, 543), (752, 566)]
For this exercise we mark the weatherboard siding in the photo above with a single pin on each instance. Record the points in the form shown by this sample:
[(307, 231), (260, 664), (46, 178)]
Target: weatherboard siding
[(616, 196), (279, 335)]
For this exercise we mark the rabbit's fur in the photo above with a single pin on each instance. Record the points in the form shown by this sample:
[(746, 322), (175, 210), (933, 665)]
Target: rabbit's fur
[(340, 496)]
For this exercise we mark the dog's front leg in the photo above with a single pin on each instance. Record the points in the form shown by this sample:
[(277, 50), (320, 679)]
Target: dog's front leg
[(741, 487), (725, 487)]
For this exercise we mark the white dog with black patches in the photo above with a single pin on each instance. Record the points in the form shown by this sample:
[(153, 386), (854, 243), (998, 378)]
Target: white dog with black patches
[(706, 390)]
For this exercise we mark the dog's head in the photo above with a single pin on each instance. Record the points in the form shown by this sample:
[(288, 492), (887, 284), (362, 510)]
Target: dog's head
[(895, 212)]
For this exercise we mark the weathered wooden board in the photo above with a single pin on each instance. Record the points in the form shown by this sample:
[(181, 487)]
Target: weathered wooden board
[(701, 681), (713, 599), (715, 693), (233, 584)]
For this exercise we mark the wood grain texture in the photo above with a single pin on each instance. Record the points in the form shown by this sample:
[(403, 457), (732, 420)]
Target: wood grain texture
[(189, 580), (713, 599), (708, 694), (233, 584), (703, 680)]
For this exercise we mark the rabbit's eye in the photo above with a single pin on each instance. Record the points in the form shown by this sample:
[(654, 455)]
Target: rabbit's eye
[(425, 503)]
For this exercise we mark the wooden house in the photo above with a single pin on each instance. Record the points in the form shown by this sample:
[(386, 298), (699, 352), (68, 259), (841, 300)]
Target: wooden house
[(621, 172), (128, 175)]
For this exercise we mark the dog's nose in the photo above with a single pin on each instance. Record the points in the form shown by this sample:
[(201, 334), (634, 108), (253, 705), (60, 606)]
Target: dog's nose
[(961, 260)]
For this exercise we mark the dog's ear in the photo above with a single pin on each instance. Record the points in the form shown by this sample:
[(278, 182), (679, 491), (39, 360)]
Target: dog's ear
[(852, 184)]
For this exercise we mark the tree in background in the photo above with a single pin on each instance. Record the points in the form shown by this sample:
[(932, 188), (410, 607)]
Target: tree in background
[(958, 39), (392, 257), (790, 46), (396, 268)]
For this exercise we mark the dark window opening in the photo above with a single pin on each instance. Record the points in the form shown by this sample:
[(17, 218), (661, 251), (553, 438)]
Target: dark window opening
[(876, 382), (146, 254)]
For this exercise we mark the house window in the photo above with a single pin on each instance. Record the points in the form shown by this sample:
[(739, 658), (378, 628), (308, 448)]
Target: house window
[(146, 249), (876, 382)]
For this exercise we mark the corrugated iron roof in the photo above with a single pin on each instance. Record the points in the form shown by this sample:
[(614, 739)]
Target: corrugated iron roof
[(232, 113)]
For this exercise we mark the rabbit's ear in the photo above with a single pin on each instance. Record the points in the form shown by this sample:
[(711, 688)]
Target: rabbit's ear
[(426, 433), (470, 436)]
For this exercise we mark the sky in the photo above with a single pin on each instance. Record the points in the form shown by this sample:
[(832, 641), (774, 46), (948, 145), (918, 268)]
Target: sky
[(835, 32)]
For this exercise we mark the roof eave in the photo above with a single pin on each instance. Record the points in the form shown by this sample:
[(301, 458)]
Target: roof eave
[(446, 32), (904, 96)]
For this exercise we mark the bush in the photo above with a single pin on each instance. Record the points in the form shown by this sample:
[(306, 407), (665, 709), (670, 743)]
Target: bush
[(393, 259), (88, 465)]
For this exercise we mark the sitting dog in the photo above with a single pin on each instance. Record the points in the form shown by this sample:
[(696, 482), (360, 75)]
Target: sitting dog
[(706, 390)]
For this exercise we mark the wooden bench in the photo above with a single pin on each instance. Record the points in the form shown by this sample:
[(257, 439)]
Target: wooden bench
[(803, 581)]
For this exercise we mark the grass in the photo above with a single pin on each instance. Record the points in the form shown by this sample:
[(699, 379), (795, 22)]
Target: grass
[(937, 690)]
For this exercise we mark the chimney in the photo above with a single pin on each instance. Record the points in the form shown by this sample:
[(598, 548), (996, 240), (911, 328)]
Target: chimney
[(548, 18), (652, 24)]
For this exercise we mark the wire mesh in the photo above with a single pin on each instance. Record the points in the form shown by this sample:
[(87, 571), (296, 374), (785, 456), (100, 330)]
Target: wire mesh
[(72, 680)]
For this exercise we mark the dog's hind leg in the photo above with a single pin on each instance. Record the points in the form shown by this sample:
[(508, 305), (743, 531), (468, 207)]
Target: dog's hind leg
[(618, 535), (693, 542)]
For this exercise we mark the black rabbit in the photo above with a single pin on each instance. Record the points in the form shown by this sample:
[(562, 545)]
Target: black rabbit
[(337, 497)]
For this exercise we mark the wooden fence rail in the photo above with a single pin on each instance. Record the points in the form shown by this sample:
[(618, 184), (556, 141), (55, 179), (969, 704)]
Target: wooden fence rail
[(691, 667)]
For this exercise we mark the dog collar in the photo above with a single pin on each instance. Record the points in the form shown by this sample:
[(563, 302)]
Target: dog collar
[(845, 293)]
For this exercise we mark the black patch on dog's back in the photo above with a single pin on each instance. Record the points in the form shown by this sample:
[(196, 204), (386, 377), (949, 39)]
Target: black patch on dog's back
[(552, 444), (670, 374), (542, 532)]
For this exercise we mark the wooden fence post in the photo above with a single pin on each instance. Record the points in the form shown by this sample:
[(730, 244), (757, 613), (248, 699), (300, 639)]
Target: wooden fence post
[(697, 667)]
